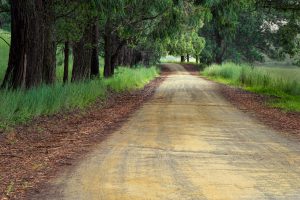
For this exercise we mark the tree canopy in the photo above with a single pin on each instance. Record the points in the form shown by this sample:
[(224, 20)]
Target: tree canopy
[(127, 32)]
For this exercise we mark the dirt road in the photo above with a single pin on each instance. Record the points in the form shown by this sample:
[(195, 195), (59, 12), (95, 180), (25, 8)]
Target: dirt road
[(187, 142)]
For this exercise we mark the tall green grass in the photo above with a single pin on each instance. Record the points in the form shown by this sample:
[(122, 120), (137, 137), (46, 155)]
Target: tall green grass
[(284, 85), (20, 106), (127, 79)]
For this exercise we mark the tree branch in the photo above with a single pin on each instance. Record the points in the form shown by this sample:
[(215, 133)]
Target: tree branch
[(4, 41)]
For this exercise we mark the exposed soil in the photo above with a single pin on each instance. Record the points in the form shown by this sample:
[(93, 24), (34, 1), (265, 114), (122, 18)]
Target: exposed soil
[(257, 105), (33, 153)]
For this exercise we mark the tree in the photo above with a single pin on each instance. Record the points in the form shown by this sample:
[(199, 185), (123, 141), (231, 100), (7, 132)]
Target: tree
[(246, 33), (26, 59), (198, 45), (221, 28), (82, 53), (127, 24)]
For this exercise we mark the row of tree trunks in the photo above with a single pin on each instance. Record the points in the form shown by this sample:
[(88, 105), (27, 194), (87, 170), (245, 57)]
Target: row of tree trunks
[(32, 59), (31, 39), (131, 57)]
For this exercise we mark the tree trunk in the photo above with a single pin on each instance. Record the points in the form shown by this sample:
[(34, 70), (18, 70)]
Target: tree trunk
[(220, 48), (114, 57), (197, 59), (107, 50), (107, 56), (112, 49), (188, 58), (49, 61), (66, 61), (182, 59), (82, 53), (25, 65), (95, 52)]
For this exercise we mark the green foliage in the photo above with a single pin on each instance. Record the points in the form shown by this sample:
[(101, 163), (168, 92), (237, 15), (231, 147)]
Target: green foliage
[(4, 15), (4, 52), (72, 18), (198, 44), (20, 106), (247, 32), (261, 80), (189, 43)]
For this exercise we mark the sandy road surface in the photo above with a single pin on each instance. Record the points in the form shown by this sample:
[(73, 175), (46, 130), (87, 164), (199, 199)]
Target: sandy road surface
[(187, 143)]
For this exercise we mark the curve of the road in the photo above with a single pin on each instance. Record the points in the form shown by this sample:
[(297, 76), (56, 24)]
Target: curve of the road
[(187, 142)]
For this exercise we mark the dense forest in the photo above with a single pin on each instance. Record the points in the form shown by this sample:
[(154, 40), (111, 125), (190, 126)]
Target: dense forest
[(131, 32)]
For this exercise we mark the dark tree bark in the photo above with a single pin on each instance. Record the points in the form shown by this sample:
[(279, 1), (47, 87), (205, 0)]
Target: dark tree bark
[(220, 43), (82, 52), (128, 56), (107, 57), (182, 59), (49, 61), (107, 50), (66, 61), (25, 65), (219, 54), (197, 59), (95, 52), (32, 56), (188, 58), (112, 49), (115, 54), (121, 57)]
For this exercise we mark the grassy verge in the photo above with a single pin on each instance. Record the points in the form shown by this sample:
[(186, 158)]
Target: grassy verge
[(21, 106), (285, 86)]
